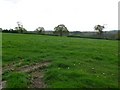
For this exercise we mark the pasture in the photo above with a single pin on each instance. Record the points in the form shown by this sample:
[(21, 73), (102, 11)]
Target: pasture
[(68, 62)]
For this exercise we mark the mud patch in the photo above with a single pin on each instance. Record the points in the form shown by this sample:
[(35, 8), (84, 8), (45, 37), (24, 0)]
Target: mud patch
[(34, 67), (11, 66), (37, 80), (37, 75)]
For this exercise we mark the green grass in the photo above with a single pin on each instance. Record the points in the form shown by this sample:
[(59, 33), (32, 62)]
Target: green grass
[(16, 80), (75, 62)]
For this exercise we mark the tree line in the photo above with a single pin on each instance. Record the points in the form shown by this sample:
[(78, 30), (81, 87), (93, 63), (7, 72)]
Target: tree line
[(60, 29)]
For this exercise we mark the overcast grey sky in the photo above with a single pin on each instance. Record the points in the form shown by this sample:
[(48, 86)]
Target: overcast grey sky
[(77, 15)]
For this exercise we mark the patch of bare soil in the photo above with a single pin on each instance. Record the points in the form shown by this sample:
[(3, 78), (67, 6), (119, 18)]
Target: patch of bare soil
[(11, 66), (37, 80), (33, 67)]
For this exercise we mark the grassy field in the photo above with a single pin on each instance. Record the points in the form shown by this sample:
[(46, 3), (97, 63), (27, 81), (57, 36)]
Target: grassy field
[(75, 62)]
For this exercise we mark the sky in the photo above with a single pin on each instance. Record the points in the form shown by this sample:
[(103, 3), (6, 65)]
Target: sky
[(76, 15)]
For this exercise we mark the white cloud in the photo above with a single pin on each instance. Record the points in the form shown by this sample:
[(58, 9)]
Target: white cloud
[(12, 1), (75, 14)]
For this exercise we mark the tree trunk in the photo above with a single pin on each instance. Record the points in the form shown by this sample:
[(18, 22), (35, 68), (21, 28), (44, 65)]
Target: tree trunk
[(61, 33)]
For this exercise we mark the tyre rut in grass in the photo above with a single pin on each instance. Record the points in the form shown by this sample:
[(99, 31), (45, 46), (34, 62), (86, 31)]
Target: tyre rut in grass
[(35, 72)]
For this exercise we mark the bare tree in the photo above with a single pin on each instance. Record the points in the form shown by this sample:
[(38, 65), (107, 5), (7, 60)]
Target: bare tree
[(20, 28)]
